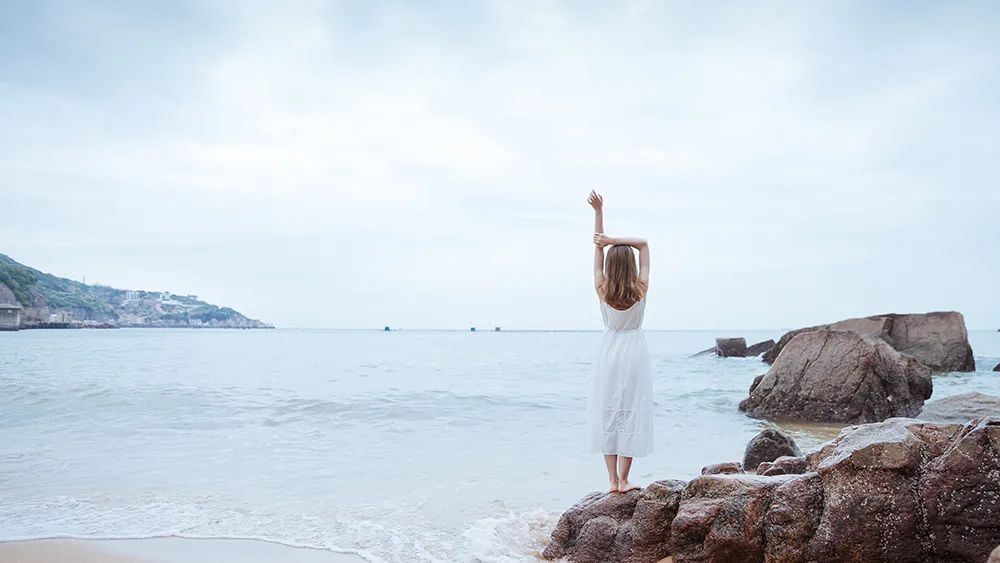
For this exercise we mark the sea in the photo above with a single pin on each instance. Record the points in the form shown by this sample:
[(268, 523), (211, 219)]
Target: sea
[(435, 446)]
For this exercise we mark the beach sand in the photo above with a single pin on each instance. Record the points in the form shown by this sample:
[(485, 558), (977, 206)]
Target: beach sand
[(164, 550)]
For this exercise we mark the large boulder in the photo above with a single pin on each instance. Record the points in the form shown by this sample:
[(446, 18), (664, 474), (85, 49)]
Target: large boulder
[(961, 408), (731, 347), (768, 446), (630, 527), (938, 340), (900, 491), (839, 376)]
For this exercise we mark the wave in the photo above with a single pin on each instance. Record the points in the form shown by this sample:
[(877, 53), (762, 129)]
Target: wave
[(360, 553), (513, 538), (382, 535)]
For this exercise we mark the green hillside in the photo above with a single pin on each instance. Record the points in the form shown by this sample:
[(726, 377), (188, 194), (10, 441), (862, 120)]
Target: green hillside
[(43, 295)]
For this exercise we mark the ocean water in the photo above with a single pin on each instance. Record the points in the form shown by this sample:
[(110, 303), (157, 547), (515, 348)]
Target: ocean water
[(400, 446)]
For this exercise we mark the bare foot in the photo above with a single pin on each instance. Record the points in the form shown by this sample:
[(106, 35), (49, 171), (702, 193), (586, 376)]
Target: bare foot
[(624, 486), (614, 487)]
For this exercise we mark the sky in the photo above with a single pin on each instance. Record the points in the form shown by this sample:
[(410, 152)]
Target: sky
[(426, 164)]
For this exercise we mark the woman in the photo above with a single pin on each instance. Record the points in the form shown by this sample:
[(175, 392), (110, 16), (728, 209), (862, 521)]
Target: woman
[(621, 397)]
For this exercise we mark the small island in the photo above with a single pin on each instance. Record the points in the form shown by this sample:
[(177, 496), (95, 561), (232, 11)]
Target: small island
[(30, 298)]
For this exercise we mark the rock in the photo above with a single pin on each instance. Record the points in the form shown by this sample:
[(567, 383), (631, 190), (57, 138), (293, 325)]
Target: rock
[(721, 518), (995, 556), (731, 347), (785, 465), (996, 368), (872, 326), (704, 352), (961, 408), (793, 518), (759, 348), (769, 445), (867, 481), (7, 295), (900, 491), (727, 467), (839, 376), (960, 490), (938, 340), (630, 527)]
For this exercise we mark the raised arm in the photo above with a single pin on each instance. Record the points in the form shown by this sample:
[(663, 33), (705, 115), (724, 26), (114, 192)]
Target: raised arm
[(597, 202), (640, 244)]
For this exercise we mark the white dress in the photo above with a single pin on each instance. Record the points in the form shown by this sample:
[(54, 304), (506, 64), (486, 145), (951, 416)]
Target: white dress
[(620, 407)]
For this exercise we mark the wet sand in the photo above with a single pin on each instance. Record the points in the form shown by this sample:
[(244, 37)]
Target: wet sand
[(165, 550)]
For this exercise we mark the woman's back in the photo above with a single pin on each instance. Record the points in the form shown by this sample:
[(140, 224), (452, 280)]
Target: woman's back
[(629, 319)]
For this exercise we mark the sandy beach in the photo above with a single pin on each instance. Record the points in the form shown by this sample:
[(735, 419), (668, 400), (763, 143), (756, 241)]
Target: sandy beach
[(164, 550)]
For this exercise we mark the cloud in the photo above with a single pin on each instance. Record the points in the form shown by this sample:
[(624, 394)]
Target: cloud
[(426, 165)]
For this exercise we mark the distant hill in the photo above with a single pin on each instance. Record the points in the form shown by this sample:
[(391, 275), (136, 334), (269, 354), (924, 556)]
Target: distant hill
[(47, 298)]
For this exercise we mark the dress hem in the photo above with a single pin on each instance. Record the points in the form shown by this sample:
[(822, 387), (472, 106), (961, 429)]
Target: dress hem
[(623, 454)]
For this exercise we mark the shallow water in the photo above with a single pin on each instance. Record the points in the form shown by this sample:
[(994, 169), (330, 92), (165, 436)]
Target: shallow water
[(411, 445)]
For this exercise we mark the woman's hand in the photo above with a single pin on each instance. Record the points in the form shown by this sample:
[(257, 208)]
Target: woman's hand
[(595, 200), (601, 240)]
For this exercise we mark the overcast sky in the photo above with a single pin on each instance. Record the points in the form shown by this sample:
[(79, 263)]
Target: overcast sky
[(426, 164)]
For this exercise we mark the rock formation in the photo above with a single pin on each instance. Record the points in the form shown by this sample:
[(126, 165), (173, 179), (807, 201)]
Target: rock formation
[(731, 347), (839, 376), (704, 352), (768, 446), (996, 368), (724, 468), (961, 408), (900, 491), (759, 348), (631, 527), (784, 465), (938, 340), (735, 347)]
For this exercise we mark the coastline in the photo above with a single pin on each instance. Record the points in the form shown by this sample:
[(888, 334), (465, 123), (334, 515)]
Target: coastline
[(165, 550)]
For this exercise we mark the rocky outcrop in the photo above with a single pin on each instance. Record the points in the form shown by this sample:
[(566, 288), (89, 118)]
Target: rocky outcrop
[(938, 340), (900, 491), (731, 347), (630, 527), (724, 468), (7, 296), (961, 408), (704, 352), (784, 465), (768, 446), (759, 348), (996, 368), (721, 518), (735, 347), (839, 376)]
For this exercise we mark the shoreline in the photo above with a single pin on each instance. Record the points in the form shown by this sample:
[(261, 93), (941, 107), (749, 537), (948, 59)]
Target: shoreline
[(165, 550)]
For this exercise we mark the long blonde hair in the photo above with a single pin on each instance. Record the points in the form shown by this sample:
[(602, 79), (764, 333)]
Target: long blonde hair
[(621, 287)]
